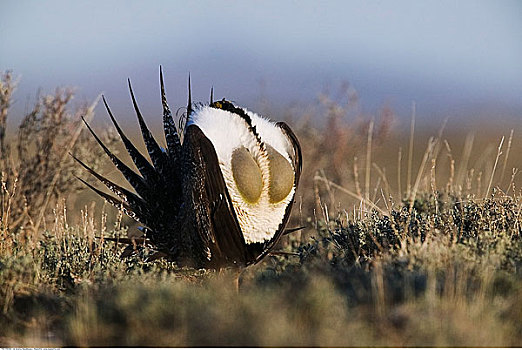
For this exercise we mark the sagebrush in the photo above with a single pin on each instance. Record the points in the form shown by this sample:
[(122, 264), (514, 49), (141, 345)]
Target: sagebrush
[(424, 253)]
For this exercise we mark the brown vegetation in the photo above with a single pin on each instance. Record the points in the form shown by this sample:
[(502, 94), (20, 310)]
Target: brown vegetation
[(408, 243), (36, 168)]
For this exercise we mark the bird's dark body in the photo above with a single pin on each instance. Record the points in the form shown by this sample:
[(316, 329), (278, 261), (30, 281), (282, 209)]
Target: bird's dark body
[(181, 197)]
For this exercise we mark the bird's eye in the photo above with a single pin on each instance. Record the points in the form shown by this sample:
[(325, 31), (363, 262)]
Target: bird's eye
[(247, 175), (281, 176)]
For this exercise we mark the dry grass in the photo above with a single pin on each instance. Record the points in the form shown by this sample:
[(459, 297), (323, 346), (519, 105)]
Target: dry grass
[(36, 168), (408, 243)]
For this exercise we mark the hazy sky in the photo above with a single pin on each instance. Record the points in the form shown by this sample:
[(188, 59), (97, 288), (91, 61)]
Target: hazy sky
[(445, 55)]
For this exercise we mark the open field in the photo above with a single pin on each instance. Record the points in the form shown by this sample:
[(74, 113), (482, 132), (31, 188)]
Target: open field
[(413, 238)]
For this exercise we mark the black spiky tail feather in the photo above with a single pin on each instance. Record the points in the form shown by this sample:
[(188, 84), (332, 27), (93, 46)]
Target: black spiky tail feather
[(156, 154), (135, 180), (172, 169), (127, 199), (158, 189), (144, 167)]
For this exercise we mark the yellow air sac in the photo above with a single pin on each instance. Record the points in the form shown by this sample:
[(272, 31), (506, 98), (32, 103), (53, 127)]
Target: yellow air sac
[(247, 175), (281, 176)]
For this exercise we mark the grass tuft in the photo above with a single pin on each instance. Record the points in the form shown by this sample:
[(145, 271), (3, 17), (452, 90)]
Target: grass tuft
[(438, 264)]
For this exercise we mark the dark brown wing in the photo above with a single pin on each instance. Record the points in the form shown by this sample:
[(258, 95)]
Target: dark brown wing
[(215, 219), (258, 251)]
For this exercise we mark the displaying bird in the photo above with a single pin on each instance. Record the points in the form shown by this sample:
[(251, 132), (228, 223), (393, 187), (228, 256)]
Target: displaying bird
[(219, 195)]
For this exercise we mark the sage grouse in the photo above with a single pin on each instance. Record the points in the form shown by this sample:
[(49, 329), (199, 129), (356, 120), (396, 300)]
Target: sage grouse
[(220, 195)]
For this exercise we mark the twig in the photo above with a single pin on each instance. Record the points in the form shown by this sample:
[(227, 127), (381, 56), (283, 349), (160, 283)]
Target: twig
[(368, 162), (399, 161), (427, 153), (347, 191), (506, 157), (410, 149), (76, 135), (499, 153)]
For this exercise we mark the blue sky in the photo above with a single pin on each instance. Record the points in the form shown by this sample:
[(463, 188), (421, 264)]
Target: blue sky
[(451, 57)]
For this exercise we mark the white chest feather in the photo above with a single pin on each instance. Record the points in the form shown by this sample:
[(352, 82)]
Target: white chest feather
[(257, 169)]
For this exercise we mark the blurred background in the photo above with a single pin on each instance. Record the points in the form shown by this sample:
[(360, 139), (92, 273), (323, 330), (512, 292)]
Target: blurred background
[(461, 60), (401, 221)]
